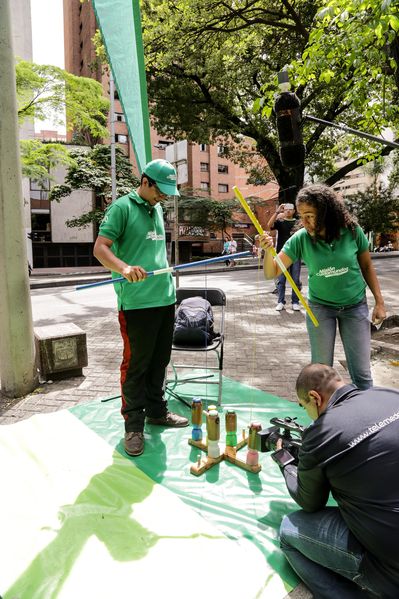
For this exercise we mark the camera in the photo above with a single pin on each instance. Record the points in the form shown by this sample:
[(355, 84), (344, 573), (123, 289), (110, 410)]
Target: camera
[(286, 429)]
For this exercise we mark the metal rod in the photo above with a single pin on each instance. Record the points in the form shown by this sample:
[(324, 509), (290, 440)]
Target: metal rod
[(380, 140), (112, 131), (161, 271), (176, 230)]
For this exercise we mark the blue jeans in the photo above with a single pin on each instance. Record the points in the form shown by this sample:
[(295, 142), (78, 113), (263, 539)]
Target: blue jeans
[(295, 272), (324, 553), (354, 329)]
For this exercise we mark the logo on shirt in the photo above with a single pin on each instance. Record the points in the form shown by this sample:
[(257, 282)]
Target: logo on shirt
[(331, 271), (154, 237), (374, 429), (105, 219)]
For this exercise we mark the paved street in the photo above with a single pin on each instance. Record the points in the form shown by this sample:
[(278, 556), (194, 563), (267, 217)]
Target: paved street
[(263, 348)]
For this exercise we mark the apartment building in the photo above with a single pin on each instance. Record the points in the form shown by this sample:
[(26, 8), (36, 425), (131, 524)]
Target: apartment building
[(357, 180)]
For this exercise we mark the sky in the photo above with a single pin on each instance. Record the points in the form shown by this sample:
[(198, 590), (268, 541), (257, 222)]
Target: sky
[(47, 41), (47, 32)]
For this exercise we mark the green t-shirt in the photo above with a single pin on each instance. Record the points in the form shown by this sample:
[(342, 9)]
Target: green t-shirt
[(335, 278), (138, 234)]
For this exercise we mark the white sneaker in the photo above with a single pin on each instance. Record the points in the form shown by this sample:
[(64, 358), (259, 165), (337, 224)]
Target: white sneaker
[(279, 307), (296, 307)]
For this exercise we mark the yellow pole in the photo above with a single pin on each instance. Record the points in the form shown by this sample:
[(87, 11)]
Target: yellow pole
[(287, 275)]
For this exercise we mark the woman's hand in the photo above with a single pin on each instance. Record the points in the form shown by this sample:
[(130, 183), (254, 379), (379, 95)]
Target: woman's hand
[(379, 313), (265, 241)]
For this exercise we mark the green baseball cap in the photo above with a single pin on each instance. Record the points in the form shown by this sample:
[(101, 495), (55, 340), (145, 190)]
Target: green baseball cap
[(164, 174)]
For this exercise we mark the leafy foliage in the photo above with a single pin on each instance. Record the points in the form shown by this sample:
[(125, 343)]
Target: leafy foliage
[(357, 41), (94, 216), (394, 175), (39, 158), (377, 210), (91, 169), (355, 44), (213, 73), (45, 89)]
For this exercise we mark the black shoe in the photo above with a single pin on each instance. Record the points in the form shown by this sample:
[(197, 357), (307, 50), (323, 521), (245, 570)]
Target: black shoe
[(134, 443), (170, 419)]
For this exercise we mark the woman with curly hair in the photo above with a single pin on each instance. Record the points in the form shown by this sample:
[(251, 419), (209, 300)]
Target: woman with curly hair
[(335, 251)]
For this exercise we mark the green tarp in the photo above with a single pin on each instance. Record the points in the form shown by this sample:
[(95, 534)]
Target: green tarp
[(79, 518), (243, 505)]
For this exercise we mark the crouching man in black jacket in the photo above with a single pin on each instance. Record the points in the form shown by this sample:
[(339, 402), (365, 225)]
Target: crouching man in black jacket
[(351, 450)]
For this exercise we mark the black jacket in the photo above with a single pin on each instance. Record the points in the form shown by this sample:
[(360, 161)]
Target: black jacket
[(352, 451)]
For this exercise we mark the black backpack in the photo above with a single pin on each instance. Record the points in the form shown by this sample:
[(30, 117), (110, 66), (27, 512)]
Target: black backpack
[(194, 323)]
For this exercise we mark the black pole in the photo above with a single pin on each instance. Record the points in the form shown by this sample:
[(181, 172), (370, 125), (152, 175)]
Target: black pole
[(380, 140)]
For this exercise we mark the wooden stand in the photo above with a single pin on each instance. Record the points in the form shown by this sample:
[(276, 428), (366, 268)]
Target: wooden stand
[(227, 453)]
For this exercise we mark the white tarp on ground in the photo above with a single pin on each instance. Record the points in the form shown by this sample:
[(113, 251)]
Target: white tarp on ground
[(78, 520)]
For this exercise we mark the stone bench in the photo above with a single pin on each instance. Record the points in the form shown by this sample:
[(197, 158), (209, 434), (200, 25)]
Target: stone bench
[(61, 350)]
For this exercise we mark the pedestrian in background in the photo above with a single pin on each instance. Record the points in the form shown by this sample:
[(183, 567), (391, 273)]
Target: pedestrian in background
[(226, 251), (232, 250), (131, 241), (335, 251), (283, 221)]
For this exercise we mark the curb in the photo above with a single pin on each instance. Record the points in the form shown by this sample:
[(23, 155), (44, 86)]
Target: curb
[(382, 347)]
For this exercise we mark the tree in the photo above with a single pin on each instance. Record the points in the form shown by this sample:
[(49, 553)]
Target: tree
[(376, 209), (212, 72), (394, 175), (91, 169), (44, 91), (207, 212), (39, 158), (357, 41)]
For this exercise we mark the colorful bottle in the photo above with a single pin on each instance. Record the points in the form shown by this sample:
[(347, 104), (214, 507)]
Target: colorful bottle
[(231, 428), (213, 431), (196, 419), (253, 453)]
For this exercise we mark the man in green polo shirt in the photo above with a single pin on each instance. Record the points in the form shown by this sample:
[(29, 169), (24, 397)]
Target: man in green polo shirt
[(131, 241)]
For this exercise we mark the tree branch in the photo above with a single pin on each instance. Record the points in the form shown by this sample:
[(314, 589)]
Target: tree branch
[(351, 166)]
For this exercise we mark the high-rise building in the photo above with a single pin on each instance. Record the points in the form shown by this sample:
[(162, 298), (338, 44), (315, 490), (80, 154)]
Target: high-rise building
[(208, 169), (357, 180)]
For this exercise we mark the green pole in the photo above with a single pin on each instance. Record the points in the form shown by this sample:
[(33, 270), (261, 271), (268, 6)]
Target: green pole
[(17, 353)]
